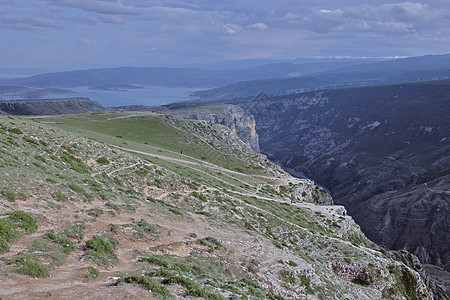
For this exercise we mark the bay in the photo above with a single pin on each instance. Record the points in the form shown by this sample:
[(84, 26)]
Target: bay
[(147, 95)]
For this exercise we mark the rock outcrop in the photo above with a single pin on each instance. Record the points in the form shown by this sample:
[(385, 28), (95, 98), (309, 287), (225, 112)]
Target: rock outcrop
[(49, 106), (240, 121)]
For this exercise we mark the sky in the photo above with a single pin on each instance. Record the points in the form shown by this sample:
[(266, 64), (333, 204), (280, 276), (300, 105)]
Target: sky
[(82, 34)]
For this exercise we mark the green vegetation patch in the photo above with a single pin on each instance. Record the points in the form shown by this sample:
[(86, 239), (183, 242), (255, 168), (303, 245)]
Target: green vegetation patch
[(8, 194), (62, 240), (92, 273), (28, 264), (53, 246), (103, 161), (8, 231), (24, 220), (212, 243), (9, 227), (58, 196), (147, 283), (15, 130), (192, 288), (101, 251)]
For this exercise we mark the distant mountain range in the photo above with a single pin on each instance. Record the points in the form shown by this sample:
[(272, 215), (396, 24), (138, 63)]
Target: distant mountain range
[(277, 78), (415, 69)]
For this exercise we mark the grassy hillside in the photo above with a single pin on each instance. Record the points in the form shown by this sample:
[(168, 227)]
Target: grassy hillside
[(91, 214)]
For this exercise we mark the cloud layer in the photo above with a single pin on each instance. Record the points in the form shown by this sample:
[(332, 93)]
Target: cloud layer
[(141, 32)]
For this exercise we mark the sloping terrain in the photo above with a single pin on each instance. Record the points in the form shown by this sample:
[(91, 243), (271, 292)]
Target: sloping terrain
[(49, 106), (104, 211), (383, 151)]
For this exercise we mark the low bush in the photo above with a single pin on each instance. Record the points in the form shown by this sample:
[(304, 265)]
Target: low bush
[(8, 230), (102, 161), (29, 266), (24, 220), (62, 239), (8, 194), (58, 196), (146, 227), (4, 247), (149, 284), (92, 273), (101, 251)]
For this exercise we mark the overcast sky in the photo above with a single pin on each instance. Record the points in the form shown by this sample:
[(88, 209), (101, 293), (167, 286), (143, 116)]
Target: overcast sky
[(80, 34)]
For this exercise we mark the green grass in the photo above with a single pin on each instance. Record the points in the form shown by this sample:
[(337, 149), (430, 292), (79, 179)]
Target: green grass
[(145, 132)]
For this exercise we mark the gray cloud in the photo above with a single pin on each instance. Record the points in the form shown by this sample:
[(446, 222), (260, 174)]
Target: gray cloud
[(98, 6), (186, 31), (79, 19), (392, 17), (112, 19), (20, 21)]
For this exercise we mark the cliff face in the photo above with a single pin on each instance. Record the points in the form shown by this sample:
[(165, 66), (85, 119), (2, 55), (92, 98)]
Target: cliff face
[(240, 121), (49, 106), (384, 152)]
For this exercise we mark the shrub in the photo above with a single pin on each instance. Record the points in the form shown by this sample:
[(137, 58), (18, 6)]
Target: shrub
[(29, 266), (4, 247), (95, 212), (112, 206), (292, 263), (8, 194), (58, 196), (147, 227), (100, 251), (92, 273), (175, 211), (193, 288), (8, 230), (205, 213), (15, 130), (103, 160), (62, 239), (75, 231), (24, 220), (148, 283)]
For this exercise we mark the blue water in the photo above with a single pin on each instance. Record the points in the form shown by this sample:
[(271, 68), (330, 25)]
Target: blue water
[(149, 95)]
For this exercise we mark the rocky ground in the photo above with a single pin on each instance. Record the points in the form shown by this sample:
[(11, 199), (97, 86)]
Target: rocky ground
[(117, 222)]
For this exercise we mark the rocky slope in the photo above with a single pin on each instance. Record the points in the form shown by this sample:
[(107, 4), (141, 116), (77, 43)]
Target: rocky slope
[(238, 120), (384, 152), (49, 106), (123, 217)]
